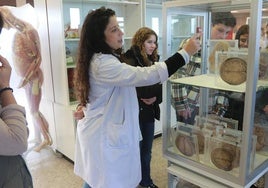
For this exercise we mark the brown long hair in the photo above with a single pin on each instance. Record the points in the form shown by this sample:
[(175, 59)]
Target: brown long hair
[(138, 40), (92, 40)]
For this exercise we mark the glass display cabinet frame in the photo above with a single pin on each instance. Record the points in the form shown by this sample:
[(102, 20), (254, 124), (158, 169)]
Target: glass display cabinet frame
[(251, 164)]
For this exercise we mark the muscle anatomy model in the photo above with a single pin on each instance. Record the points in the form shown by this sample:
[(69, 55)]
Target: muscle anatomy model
[(27, 60)]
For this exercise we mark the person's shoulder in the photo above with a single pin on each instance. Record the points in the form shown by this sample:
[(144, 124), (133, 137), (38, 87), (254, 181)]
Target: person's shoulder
[(129, 53), (129, 58), (103, 57), (100, 59)]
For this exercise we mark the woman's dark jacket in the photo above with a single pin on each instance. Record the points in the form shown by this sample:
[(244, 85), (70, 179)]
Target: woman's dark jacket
[(147, 113)]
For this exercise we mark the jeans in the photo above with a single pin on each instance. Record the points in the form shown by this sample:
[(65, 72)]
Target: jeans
[(85, 185), (147, 131)]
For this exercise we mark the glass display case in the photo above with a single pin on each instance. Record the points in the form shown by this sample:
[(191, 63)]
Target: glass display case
[(210, 145)]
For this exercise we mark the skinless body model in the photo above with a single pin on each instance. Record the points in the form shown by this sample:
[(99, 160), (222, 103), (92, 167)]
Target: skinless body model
[(27, 60)]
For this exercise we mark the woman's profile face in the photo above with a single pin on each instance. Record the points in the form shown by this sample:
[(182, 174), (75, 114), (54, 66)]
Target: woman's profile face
[(113, 34), (150, 44)]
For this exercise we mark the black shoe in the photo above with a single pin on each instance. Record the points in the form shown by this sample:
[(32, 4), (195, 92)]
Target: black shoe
[(152, 186)]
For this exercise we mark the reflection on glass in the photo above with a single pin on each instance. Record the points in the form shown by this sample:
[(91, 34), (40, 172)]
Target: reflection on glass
[(181, 29)]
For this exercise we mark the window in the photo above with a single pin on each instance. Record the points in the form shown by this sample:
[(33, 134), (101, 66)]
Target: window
[(155, 24), (121, 23), (75, 18)]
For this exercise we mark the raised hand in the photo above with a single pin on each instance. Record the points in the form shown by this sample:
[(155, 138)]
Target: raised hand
[(5, 72), (193, 45)]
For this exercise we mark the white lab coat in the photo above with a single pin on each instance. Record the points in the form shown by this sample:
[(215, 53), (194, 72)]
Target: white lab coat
[(107, 148)]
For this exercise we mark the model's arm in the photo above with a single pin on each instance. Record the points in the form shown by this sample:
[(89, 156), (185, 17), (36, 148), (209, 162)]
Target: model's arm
[(10, 21), (13, 125)]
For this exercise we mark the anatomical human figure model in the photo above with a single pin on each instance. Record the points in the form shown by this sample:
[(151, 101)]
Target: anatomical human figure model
[(27, 60)]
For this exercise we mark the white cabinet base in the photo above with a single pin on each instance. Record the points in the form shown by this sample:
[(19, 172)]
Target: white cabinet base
[(197, 179), (65, 130)]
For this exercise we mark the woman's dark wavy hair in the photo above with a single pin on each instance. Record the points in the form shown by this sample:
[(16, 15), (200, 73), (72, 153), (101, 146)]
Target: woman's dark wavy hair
[(92, 40)]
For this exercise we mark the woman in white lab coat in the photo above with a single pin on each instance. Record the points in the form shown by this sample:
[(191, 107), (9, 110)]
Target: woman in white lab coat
[(107, 148)]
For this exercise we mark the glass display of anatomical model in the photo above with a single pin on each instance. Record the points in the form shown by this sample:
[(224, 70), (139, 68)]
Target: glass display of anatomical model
[(26, 62)]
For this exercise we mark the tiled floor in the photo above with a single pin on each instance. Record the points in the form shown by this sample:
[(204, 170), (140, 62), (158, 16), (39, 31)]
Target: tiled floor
[(52, 170)]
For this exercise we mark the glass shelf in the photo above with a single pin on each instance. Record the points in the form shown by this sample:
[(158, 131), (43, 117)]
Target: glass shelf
[(213, 81)]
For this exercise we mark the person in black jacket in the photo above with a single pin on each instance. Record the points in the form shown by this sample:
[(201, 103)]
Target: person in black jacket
[(143, 53)]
